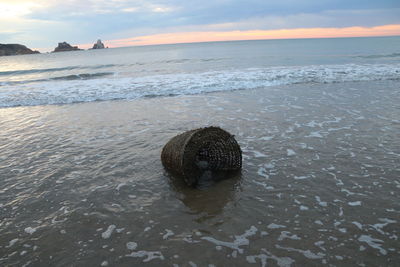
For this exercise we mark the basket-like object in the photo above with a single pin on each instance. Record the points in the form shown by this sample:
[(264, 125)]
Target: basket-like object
[(192, 153)]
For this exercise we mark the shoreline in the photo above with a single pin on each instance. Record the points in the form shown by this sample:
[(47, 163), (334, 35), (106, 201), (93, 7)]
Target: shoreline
[(218, 93)]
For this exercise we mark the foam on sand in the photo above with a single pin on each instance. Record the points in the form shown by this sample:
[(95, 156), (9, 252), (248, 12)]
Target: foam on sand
[(107, 234), (240, 240)]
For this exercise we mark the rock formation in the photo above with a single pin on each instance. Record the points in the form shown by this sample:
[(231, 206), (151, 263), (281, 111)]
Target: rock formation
[(98, 45), (15, 49), (64, 46)]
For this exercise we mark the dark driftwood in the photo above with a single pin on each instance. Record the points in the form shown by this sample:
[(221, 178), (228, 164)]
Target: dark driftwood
[(204, 150)]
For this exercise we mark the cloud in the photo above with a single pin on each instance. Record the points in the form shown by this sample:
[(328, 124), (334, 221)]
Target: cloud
[(89, 9), (189, 37), (329, 18)]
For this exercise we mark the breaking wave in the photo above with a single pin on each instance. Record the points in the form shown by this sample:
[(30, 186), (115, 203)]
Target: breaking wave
[(105, 86)]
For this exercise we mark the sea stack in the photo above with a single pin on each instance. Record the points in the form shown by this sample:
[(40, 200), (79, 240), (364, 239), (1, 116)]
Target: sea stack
[(15, 49), (98, 45), (64, 46)]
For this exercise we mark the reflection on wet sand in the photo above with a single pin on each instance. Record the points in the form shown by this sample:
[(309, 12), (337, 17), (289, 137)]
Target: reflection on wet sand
[(208, 200)]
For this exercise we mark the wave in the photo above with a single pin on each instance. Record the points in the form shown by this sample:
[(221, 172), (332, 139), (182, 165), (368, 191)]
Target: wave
[(35, 71), (81, 76), (393, 55), (66, 90), (101, 66)]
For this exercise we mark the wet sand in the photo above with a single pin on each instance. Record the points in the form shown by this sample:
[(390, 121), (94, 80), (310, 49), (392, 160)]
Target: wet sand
[(83, 184)]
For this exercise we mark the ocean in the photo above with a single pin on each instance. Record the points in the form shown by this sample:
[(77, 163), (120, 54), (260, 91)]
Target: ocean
[(185, 69), (81, 180)]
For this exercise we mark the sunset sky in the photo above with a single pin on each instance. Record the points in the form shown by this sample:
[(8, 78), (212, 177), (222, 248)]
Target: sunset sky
[(42, 24)]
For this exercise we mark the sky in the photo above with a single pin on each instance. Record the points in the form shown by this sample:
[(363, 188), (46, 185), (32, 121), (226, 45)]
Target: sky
[(41, 24)]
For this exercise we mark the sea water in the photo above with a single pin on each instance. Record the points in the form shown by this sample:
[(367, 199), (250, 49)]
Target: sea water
[(82, 184), (184, 69)]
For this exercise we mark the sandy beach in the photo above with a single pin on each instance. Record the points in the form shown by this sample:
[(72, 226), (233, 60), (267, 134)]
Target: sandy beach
[(83, 184)]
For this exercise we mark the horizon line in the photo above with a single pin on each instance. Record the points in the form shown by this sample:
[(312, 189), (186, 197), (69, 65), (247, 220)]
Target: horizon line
[(391, 30), (245, 40)]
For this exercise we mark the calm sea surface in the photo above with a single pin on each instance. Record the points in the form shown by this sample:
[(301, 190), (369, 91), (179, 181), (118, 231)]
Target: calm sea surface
[(82, 184)]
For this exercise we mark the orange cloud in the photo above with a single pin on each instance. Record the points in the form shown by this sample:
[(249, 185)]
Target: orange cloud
[(211, 36)]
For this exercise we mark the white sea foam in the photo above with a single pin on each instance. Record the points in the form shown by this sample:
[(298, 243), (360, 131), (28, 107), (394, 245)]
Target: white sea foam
[(114, 87), (275, 226), (355, 203), (307, 253), (30, 230), (258, 154), (262, 172), (12, 242), (359, 225), (290, 152), (301, 177), (319, 244), (288, 235), (321, 203), (266, 138), (315, 134), (263, 257), (240, 240), (107, 234), (302, 207), (119, 186), (379, 226), (149, 255), (189, 239), (167, 234), (131, 245), (266, 186), (373, 242)]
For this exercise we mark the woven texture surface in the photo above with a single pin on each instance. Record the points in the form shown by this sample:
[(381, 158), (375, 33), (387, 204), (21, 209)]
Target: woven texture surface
[(205, 149)]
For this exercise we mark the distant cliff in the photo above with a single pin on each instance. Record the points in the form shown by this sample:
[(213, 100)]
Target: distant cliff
[(64, 46), (98, 45), (15, 49)]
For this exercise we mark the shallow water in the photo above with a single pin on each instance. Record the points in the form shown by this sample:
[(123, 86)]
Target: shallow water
[(83, 184)]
